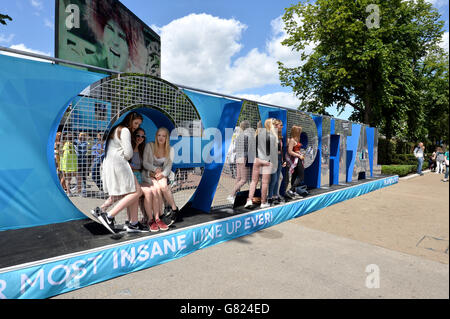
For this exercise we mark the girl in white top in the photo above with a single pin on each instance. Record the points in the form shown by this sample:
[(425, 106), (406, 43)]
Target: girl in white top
[(157, 162), (117, 176)]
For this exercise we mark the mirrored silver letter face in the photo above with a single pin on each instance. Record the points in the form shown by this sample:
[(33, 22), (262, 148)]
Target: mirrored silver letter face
[(376, 167), (325, 160), (362, 164), (309, 139), (343, 129), (237, 170), (79, 148)]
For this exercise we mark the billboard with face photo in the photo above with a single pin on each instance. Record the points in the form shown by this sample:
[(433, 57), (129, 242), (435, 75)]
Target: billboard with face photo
[(104, 33)]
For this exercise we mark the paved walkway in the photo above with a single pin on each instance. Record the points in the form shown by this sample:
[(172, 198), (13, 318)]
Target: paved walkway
[(396, 237), (411, 217)]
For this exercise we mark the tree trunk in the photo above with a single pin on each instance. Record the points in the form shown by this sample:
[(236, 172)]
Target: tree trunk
[(368, 102), (389, 149)]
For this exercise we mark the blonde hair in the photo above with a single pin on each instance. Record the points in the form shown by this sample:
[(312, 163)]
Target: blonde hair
[(279, 133), (268, 125), (166, 145)]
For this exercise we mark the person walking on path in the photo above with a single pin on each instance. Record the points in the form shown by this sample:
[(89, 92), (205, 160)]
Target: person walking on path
[(440, 161), (446, 161), (418, 153)]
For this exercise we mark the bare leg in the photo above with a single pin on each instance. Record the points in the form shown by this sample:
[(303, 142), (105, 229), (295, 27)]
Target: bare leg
[(109, 202), (133, 211), (62, 181), (166, 193), (157, 201), (241, 177), (265, 185), (127, 200), (148, 200), (255, 179), (78, 178), (67, 177)]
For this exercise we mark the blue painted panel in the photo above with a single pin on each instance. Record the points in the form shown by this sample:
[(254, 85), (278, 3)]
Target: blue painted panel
[(70, 273), (208, 107), (352, 148), (334, 158), (33, 97), (370, 145)]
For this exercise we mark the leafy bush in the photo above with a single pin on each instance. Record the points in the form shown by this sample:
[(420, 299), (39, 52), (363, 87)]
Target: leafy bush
[(401, 170), (404, 159)]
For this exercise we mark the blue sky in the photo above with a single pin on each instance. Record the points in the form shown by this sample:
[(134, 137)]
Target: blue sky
[(227, 46)]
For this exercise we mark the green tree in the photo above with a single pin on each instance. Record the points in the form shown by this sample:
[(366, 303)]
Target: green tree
[(362, 58), (3, 18), (434, 86)]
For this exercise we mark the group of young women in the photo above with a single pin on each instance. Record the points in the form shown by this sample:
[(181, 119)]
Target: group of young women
[(262, 155), (137, 174)]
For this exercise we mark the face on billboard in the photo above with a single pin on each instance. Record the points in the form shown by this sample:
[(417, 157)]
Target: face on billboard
[(115, 46), (104, 33)]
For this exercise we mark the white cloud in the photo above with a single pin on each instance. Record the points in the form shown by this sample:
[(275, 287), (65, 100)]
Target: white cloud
[(37, 4), (438, 3), (49, 24), (197, 49), (284, 99), (281, 52), (444, 43), (200, 50), (6, 39), (256, 69), (22, 47)]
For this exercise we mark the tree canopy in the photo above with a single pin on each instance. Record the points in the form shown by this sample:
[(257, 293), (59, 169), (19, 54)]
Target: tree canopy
[(3, 18), (381, 57)]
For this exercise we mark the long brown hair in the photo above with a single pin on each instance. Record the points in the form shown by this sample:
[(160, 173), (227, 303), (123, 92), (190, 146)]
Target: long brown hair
[(296, 131), (126, 122), (141, 146)]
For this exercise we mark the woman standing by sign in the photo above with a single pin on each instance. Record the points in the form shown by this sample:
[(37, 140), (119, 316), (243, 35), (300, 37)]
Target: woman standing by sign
[(117, 176)]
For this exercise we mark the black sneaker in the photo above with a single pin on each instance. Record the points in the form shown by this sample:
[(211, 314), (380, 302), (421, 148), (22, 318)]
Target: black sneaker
[(167, 210), (291, 194), (171, 217), (96, 212), (286, 197), (138, 228), (167, 219), (107, 222), (281, 199)]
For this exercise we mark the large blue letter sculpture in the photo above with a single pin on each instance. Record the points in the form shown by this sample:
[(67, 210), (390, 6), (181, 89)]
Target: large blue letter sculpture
[(35, 96)]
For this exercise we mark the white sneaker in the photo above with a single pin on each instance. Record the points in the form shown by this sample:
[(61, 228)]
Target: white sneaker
[(265, 205), (248, 204), (231, 199)]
